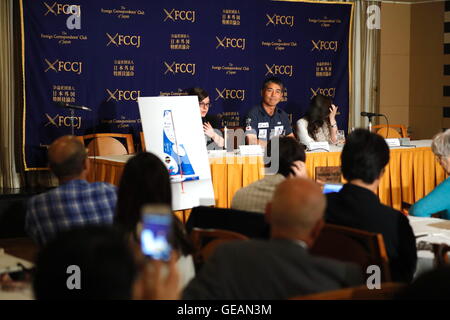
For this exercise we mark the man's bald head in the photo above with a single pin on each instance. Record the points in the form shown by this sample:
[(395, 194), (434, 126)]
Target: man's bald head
[(298, 204), (66, 156)]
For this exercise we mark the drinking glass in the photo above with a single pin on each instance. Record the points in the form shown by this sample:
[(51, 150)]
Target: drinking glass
[(340, 137)]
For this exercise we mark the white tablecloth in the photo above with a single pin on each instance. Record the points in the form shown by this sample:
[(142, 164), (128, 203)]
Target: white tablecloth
[(428, 231)]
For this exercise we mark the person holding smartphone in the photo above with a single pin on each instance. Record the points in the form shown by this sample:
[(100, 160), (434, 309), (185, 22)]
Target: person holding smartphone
[(145, 181), (108, 268)]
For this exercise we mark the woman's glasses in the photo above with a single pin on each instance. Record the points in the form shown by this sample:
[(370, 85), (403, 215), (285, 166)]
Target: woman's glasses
[(207, 105)]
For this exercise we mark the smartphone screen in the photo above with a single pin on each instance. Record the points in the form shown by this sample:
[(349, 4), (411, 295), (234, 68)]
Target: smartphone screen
[(331, 187), (155, 234)]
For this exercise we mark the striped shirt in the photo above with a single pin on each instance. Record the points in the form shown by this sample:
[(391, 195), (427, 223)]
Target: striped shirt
[(256, 195)]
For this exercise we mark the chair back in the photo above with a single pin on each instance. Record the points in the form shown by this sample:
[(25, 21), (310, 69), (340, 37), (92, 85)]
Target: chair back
[(353, 245), (250, 224), (104, 144), (205, 242), (141, 135), (393, 131), (440, 251), (387, 291)]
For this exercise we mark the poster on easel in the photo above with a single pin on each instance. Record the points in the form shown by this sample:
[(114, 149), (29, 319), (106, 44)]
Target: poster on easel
[(173, 131)]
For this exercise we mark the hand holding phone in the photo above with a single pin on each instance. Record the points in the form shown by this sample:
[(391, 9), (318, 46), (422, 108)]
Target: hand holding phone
[(156, 232)]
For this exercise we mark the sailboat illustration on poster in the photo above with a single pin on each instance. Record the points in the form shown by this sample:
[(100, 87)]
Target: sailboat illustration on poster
[(175, 155)]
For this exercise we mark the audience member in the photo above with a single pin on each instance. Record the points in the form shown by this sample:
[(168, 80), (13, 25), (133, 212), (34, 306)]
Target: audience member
[(288, 159), (95, 262), (209, 121), (145, 180), (438, 199), (281, 267), (431, 285), (363, 159), (319, 124), (75, 202), (265, 121)]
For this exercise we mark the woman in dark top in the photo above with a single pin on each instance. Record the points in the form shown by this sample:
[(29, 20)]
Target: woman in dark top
[(209, 121)]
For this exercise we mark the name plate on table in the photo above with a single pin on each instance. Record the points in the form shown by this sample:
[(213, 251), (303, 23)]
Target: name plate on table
[(406, 142), (319, 146), (217, 153), (251, 150), (393, 142)]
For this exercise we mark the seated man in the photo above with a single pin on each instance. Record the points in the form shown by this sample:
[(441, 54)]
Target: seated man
[(75, 202), (363, 159), (281, 267), (267, 120), (289, 161)]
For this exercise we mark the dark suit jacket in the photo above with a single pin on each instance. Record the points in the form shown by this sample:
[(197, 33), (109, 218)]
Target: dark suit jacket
[(268, 269), (359, 208)]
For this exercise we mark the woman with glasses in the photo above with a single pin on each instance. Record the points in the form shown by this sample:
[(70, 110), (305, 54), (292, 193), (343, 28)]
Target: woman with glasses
[(209, 121), (437, 201)]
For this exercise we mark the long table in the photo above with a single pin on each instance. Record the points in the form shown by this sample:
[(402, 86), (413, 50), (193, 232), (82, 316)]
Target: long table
[(229, 173), (411, 174)]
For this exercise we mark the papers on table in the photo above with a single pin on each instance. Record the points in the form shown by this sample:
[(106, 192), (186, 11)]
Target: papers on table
[(430, 230), (9, 263)]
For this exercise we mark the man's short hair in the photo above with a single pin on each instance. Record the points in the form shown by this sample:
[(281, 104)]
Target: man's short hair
[(275, 80), (74, 164), (289, 151), (364, 156), (106, 264)]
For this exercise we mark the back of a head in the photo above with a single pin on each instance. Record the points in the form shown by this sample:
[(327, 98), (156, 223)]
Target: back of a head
[(145, 180), (364, 156), (430, 285), (66, 156), (199, 92), (106, 266), (297, 203), (286, 151)]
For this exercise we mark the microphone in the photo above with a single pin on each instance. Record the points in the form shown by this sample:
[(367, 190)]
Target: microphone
[(371, 114), (71, 106)]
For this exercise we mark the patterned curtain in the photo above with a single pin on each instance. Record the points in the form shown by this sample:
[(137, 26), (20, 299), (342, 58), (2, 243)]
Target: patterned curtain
[(8, 176), (11, 174)]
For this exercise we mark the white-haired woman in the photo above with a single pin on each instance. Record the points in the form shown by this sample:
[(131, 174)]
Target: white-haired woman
[(437, 200)]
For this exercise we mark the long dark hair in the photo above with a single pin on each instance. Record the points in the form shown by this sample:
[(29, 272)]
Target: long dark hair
[(317, 115), (145, 180)]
